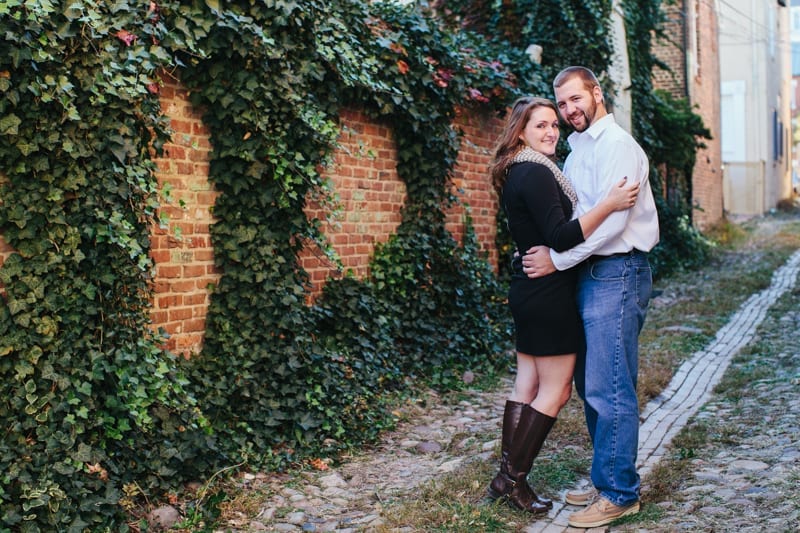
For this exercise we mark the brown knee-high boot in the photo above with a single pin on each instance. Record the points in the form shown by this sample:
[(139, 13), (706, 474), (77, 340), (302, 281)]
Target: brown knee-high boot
[(524, 432), (511, 414), (528, 437)]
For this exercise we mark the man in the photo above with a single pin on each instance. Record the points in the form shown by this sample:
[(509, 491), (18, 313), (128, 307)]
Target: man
[(614, 284)]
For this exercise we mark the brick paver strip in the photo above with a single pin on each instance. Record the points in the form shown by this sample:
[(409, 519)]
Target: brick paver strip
[(691, 386)]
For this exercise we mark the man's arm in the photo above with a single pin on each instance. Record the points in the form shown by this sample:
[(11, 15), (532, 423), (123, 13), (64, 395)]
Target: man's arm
[(541, 261), (609, 229)]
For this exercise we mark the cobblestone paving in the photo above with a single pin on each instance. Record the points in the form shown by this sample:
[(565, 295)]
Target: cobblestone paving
[(437, 439), (747, 475), (748, 480)]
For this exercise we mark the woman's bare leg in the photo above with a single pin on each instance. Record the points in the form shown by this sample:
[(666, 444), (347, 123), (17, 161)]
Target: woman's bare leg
[(554, 376), (526, 383)]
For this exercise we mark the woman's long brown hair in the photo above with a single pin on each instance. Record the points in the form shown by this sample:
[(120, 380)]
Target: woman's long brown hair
[(510, 143)]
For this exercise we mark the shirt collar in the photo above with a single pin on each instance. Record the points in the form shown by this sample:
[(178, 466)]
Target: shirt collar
[(594, 130)]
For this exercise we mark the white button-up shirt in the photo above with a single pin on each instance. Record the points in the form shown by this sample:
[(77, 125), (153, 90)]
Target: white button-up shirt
[(602, 155)]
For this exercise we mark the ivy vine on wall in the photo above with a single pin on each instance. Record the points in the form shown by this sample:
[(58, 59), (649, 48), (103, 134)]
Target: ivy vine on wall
[(97, 412), (89, 402), (281, 380)]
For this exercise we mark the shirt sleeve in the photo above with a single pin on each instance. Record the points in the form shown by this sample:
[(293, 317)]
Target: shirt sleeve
[(542, 197), (624, 162)]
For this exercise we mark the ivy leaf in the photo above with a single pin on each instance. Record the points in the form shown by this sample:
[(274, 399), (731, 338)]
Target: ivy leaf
[(24, 369), (26, 148), (9, 125), (83, 454)]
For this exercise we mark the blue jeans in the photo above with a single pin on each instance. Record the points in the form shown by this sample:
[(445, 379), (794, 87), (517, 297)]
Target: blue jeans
[(613, 293)]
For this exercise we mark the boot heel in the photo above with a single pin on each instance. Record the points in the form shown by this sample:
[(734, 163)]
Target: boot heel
[(493, 495), (500, 492)]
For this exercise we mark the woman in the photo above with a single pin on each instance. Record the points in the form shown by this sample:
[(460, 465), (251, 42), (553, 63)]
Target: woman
[(539, 202)]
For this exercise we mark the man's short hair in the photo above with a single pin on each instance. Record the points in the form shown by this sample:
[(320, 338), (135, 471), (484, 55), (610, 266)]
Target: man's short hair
[(586, 75)]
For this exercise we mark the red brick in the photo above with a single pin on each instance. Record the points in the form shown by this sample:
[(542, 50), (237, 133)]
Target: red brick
[(168, 271), (166, 302), (194, 271), (180, 314)]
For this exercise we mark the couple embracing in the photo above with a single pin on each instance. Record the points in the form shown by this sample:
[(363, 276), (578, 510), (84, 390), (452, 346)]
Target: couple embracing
[(579, 293)]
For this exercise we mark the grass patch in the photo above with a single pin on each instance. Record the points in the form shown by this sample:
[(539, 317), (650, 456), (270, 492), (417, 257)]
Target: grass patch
[(562, 469), (734, 384), (648, 512), (691, 306), (453, 502), (758, 360), (668, 475), (457, 501), (726, 234)]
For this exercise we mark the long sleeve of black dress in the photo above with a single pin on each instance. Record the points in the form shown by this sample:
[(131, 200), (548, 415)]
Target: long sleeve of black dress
[(538, 211)]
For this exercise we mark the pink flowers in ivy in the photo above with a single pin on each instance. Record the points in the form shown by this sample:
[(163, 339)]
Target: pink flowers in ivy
[(475, 94), (441, 76), (126, 37)]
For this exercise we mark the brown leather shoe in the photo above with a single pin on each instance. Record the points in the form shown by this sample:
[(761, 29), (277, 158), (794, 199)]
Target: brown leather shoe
[(581, 497), (600, 513)]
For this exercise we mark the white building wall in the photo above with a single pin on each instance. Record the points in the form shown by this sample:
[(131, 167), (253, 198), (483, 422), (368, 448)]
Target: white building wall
[(756, 85), (620, 70)]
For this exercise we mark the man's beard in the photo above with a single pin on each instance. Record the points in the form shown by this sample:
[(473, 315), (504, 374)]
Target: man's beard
[(588, 117)]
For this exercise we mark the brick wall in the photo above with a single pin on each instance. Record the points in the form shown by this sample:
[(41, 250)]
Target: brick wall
[(707, 177), (5, 251), (670, 51), (182, 253), (700, 34), (474, 183), (370, 196)]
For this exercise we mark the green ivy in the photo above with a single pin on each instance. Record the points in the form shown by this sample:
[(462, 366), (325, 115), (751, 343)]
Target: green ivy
[(571, 32), (90, 402), (278, 379), (577, 32)]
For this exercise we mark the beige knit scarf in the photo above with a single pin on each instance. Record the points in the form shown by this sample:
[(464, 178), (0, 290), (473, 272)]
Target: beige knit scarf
[(529, 154)]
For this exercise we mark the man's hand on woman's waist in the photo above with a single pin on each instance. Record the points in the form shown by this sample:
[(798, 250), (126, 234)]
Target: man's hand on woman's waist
[(537, 263)]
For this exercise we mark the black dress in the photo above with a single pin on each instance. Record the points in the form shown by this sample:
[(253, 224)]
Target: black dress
[(546, 318)]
